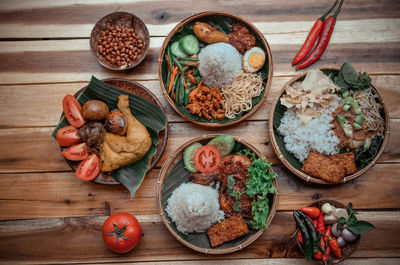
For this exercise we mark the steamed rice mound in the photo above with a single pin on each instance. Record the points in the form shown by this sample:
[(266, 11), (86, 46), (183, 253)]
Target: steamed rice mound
[(317, 135), (194, 208), (219, 64)]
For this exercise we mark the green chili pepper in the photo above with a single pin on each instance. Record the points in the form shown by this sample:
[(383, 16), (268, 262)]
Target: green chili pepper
[(312, 230), (305, 235)]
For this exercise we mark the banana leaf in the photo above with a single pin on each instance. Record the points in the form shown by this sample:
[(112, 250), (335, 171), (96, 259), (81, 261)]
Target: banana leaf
[(224, 24), (362, 158), (149, 114)]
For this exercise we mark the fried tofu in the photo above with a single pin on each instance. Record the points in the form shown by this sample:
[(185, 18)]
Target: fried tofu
[(347, 161), (227, 230), (320, 166)]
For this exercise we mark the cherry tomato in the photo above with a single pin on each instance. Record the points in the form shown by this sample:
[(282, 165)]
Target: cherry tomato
[(89, 168), (121, 232), (76, 152), (207, 159), (73, 111), (68, 136)]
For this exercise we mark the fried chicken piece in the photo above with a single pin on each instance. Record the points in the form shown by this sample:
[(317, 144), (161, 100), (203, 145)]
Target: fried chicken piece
[(118, 151), (202, 178), (320, 166), (347, 161), (227, 230), (226, 202)]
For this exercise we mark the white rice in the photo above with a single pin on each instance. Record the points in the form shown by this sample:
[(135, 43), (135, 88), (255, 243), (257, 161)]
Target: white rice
[(219, 64), (194, 208), (316, 135)]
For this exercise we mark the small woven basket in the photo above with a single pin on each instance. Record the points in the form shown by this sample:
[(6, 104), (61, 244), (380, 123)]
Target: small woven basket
[(166, 169)]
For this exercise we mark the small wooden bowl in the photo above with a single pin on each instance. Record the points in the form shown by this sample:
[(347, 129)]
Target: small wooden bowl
[(119, 19), (350, 246), (203, 17), (299, 173), (174, 159), (139, 90)]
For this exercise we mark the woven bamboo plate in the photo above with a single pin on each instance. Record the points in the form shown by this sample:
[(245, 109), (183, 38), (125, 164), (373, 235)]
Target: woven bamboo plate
[(167, 183), (350, 246), (216, 16), (135, 89), (283, 154)]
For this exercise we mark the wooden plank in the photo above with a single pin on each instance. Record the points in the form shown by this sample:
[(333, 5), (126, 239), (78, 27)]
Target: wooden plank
[(53, 61), (17, 20), (18, 100), (34, 149), (71, 240), (43, 195)]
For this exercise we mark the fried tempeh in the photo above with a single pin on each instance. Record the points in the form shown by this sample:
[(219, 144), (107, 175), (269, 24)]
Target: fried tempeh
[(227, 230), (320, 166), (347, 161)]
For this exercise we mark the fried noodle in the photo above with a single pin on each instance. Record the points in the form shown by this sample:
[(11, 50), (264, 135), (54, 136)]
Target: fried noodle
[(239, 94), (371, 109)]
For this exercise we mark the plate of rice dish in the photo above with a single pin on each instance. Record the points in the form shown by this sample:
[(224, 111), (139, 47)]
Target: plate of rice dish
[(217, 194), (329, 126), (215, 69)]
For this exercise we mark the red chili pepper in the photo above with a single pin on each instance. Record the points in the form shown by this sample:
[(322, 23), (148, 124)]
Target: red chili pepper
[(312, 37), (325, 258), (300, 237), (323, 40), (321, 223), (332, 242), (312, 212)]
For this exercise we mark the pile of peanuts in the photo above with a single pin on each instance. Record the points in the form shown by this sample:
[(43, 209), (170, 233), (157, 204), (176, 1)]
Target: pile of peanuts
[(120, 45)]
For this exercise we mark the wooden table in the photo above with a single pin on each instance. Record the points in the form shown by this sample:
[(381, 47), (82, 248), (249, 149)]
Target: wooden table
[(49, 216)]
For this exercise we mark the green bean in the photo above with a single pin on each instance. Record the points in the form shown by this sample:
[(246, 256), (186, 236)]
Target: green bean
[(173, 58)]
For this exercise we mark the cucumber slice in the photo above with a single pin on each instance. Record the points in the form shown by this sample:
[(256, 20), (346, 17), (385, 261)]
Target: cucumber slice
[(189, 44), (176, 50), (224, 144), (188, 156)]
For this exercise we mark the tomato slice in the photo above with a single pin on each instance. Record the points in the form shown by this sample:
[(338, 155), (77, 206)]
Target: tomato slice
[(68, 136), (89, 168), (73, 111), (76, 152), (207, 159)]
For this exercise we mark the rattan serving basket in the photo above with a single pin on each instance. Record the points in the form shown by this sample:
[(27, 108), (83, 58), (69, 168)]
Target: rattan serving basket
[(203, 17), (167, 182), (350, 246), (281, 153)]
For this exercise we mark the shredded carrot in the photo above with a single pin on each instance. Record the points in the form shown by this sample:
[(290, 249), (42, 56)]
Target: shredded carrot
[(174, 95), (191, 63), (184, 82), (173, 75), (194, 91), (192, 79)]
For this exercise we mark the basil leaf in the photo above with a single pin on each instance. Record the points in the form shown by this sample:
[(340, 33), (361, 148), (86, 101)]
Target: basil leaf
[(360, 227), (349, 74)]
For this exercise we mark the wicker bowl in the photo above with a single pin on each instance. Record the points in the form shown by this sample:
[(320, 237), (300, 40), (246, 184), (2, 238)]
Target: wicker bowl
[(119, 19), (204, 17), (280, 153), (350, 246), (135, 89), (167, 182)]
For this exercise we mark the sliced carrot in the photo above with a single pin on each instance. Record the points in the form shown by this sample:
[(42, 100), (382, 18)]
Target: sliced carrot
[(194, 91), (192, 79), (173, 76)]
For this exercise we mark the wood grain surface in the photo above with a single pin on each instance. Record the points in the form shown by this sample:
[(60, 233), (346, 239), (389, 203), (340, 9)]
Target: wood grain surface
[(47, 215)]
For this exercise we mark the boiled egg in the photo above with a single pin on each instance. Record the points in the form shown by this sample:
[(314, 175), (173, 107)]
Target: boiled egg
[(253, 60)]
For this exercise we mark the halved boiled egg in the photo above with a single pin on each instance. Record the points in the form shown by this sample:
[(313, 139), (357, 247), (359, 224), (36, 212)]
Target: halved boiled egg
[(253, 60)]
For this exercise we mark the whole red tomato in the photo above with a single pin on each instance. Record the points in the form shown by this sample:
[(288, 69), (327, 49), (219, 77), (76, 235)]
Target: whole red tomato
[(121, 232)]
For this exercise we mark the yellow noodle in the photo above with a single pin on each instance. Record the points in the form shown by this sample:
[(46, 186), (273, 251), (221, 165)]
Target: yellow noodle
[(239, 93)]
